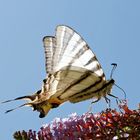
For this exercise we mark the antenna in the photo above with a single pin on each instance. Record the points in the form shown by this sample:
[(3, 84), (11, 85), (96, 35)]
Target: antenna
[(113, 69), (121, 90)]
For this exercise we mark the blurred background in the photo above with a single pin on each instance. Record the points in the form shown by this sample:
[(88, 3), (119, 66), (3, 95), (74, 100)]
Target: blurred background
[(111, 29)]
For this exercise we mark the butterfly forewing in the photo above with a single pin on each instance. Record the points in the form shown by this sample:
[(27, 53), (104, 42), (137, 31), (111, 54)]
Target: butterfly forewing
[(72, 50)]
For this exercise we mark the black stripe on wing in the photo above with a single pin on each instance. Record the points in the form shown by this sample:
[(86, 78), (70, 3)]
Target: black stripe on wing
[(77, 81), (101, 91)]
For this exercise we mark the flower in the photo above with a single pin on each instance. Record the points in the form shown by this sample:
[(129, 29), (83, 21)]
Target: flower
[(109, 124)]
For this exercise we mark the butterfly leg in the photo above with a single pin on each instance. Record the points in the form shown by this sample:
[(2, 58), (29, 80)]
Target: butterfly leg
[(90, 107), (117, 99), (107, 101), (96, 100)]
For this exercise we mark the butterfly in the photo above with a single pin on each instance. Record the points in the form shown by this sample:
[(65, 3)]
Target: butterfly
[(73, 73)]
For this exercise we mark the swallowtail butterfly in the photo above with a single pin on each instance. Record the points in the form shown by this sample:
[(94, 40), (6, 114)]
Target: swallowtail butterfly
[(73, 73)]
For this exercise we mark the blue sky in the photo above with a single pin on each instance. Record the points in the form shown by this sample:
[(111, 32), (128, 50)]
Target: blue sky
[(110, 27)]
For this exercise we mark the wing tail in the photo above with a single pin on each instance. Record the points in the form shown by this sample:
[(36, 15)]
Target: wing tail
[(26, 104), (30, 98)]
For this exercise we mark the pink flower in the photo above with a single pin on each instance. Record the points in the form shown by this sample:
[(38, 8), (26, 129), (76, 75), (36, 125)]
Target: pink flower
[(109, 124)]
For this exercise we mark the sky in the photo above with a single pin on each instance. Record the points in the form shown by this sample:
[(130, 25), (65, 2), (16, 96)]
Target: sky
[(110, 27)]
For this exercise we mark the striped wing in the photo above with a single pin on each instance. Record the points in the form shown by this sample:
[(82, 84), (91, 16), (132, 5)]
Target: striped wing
[(67, 49), (49, 46), (72, 67)]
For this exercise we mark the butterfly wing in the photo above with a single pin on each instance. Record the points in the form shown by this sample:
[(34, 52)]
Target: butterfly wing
[(72, 66), (72, 50), (49, 47)]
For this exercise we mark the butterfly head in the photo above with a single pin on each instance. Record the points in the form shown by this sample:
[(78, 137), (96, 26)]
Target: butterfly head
[(109, 84)]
